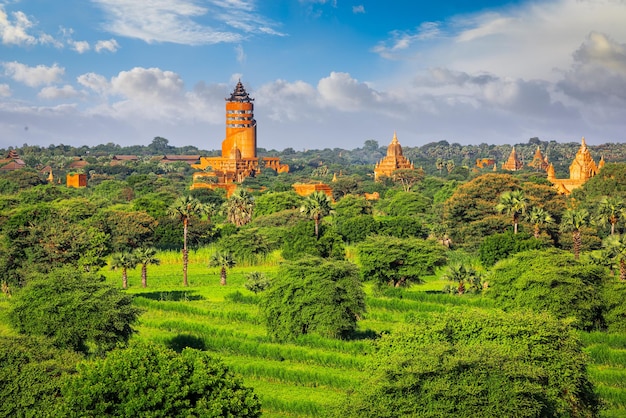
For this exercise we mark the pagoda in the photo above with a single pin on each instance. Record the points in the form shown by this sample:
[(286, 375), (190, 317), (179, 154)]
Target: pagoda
[(539, 162), (394, 160), (239, 157), (582, 169), (513, 163)]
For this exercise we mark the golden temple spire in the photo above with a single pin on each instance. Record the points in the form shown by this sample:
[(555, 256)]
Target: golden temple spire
[(394, 140)]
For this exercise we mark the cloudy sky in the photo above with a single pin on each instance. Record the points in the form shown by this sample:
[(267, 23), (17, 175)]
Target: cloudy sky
[(324, 73)]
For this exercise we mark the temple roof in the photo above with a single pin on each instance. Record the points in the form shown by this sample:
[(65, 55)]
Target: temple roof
[(394, 148), (239, 94)]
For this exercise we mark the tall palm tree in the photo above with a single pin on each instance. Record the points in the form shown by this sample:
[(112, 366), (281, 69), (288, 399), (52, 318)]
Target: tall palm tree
[(615, 246), (144, 257), (611, 210), (183, 209), (239, 207), (124, 261), (513, 203), (223, 260), (316, 206), (573, 221), (539, 217)]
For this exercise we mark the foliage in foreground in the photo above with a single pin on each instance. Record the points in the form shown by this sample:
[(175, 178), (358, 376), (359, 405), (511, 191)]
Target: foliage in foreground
[(477, 364), (313, 295), (552, 281), (30, 371), (148, 380), (75, 310)]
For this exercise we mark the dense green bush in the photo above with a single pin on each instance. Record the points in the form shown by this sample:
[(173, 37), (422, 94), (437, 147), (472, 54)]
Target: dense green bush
[(357, 228), (499, 246), (313, 296), (401, 227), (398, 262), (247, 245), (75, 310), (614, 295), (550, 280), (30, 371), (148, 380), (473, 363), (300, 241), (272, 202)]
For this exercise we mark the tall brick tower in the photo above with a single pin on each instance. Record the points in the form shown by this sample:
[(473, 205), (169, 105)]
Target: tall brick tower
[(240, 124)]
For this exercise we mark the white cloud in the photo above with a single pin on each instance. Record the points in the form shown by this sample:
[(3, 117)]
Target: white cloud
[(5, 90), (151, 86), (15, 31), (56, 93), (179, 21), (400, 41), (111, 45), (33, 76), (95, 82), (358, 9), (341, 91), (80, 46), (241, 54)]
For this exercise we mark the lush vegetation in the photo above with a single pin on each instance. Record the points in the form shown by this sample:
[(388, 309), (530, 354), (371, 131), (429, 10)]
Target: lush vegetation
[(458, 292)]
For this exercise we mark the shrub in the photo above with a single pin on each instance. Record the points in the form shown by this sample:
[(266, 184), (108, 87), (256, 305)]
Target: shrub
[(471, 363), (313, 296), (499, 246), (148, 380), (552, 281)]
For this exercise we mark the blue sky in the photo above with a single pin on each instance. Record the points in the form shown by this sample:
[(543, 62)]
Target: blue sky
[(324, 73)]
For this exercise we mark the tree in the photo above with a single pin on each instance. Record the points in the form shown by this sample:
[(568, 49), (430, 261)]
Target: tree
[(390, 261), (467, 278), (184, 209), (476, 363), (224, 261), (74, 310), (313, 296), (611, 210), (573, 221), (550, 281), (539, 218), (124, 261), (615, 246), (150, 380), (513, 203), (240, 207), (145, 256), (256, 282), (316, 206), (408, 177)]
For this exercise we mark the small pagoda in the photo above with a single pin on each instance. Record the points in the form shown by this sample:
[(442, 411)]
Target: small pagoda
[(539, 162), (513, 163), (394, 160)]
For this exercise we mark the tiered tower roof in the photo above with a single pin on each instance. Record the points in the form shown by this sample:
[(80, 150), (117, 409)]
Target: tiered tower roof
[(239, 94)]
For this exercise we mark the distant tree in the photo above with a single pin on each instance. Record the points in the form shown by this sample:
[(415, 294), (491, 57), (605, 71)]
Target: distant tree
[(476, 363), (313, 296), (224, 261), (75, 310), (298, 241), (497, 247), (450, 166), (146, 256), (610, 210), (316, 206), (539, 218), (150, 380), (407, 178), (440, 164), (240, 207), (513, 203), (184, 209), (573, 221), (273, 202), (615, 247), (468, 278), (124, 261)]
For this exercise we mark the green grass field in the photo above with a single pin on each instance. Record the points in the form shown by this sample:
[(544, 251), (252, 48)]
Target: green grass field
[(311, 375)]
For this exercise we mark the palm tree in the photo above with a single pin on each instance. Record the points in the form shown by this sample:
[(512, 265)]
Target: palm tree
[(539, 217), (239, 207), (611, 210), (316, 206), (513, 203), (224, 261), (144, 257), (124, 261), (615, 246), (185, 208), (461, 274), (573, 220)]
